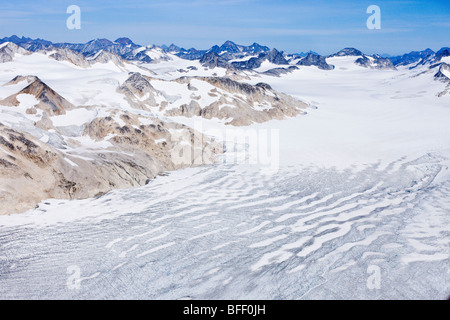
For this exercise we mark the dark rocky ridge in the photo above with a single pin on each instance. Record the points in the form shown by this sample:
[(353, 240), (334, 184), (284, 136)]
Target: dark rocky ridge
[(315, 60), (273, 56), (377, 63), (213, 60)]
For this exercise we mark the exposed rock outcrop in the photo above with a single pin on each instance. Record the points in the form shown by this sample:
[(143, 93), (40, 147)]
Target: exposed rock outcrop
[(443, 73), (375, 62), (212, 60), (347, 52), (129, 155), (49, 100), (315, 60), (273, 56), (242, 103), (65, 54), (276, 72), (105, 57), (411, 57), (223, 98), (8, 50), (138, 91)]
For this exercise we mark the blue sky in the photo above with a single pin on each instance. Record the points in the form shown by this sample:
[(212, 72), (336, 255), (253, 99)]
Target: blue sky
[(293, 26)]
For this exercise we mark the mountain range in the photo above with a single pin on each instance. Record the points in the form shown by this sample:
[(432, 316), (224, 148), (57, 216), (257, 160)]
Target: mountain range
[(229, 54)]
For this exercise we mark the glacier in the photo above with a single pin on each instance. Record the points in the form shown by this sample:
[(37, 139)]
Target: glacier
[(229, 232)]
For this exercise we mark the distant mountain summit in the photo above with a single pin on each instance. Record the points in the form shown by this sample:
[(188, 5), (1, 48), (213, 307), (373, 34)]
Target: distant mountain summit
[(124, 41), (412, 57), (420, 58), (232, 51), (273, 56), (27, 43), (213, 60), (304, 54), (315, 60), (442, 53)]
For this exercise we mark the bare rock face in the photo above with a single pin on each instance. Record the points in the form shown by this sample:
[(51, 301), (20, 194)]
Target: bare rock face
[(18, 79), (80, 60), (138, 91), (49, 100), (31, 171), (375, 62), (315, 60), (443, 75), (8, 51), (239, 103), (104, 57), (123, 149), (212, 60), (27, 172), (440, 75)]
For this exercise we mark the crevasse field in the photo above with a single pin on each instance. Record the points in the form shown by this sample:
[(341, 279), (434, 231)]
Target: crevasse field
[(356, 208)]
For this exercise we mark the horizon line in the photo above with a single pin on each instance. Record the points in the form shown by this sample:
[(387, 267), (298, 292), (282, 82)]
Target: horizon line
[(172, 43)]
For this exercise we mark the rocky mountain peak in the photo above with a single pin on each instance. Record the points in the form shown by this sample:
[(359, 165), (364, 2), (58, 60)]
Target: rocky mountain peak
[(212, 60), (275, 57), (124, 41), (8, 51), (312, 59), (230, 47), (348, 52), (443, 73)]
